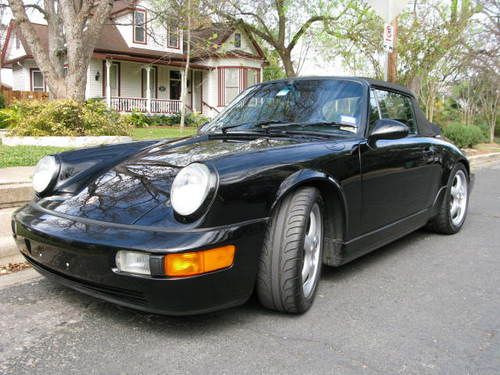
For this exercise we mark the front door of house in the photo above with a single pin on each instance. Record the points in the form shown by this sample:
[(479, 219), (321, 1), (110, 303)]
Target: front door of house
[(175, 84)]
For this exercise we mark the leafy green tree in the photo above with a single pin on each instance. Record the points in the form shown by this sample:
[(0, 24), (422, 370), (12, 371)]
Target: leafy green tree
[(282, 24)]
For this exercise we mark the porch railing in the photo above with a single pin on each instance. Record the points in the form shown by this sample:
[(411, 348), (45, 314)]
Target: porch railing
[(123, 104), (165, 106)]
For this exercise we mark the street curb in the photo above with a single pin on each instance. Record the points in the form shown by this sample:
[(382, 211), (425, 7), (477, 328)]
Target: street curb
[(482, 161), (14, 195), (483, 156)]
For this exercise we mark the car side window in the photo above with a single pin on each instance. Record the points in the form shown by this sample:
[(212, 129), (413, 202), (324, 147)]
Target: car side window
[(398, 107)]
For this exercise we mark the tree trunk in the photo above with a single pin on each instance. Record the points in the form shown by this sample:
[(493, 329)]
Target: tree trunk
[(416, 84), (73, 29), (286, 58)]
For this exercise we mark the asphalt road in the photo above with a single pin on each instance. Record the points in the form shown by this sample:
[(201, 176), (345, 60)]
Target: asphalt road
[(426, 304)]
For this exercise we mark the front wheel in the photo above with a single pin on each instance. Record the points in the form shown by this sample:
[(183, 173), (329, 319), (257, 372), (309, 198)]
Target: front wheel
[(453, 210), (291, 259)]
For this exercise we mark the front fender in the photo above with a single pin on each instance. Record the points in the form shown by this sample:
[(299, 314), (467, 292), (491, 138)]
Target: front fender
[(307, 177), (336, 218)]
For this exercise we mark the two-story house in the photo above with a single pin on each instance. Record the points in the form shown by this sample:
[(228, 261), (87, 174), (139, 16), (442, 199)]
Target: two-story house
[(132, 68)]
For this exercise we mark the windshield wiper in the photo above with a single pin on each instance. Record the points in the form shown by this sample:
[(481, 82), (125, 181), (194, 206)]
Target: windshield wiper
[(269, 125), (306, 124), (259, 125)]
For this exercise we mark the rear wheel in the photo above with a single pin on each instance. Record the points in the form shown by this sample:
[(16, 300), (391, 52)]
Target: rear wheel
[(291, 259), (453, 209)]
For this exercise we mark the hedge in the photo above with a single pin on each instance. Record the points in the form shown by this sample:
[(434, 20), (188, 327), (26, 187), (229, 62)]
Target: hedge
[(464, 136)]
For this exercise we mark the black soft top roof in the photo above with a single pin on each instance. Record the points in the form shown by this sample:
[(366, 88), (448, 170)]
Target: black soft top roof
[(368, 81)]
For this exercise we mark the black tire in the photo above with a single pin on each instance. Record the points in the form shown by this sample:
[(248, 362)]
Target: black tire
[(442, 222), (279, 282)]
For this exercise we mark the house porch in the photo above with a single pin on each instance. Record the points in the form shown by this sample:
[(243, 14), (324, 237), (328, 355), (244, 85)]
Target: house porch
[(149, 88)]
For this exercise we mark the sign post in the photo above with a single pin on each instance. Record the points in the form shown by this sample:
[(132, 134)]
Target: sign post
[(389, 10)]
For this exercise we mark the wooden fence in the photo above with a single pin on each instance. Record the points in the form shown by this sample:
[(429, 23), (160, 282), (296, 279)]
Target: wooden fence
[(12, 95)]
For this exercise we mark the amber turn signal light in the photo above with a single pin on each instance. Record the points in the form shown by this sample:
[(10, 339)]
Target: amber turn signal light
[(198, 262)]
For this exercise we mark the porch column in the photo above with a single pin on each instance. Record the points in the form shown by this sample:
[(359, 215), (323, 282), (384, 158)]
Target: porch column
[(108, 83), (148, 88)]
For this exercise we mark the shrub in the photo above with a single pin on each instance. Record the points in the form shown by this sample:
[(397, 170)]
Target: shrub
[(196, 119), (142, 120), (2, 101), (485, 129), (67, 118), (464, 135), (8, 117), (138, 119)]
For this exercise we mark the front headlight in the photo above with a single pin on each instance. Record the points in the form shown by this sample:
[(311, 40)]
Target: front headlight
[(45, 174), (190, 188)]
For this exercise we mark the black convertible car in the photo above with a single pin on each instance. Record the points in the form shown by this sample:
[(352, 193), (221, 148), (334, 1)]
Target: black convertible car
[(294, 174)]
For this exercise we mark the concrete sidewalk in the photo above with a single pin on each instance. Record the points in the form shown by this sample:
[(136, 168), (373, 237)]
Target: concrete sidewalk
[(15, 190), (16, 175)]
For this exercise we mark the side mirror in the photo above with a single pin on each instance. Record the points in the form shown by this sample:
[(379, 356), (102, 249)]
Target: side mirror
[(388, 129)]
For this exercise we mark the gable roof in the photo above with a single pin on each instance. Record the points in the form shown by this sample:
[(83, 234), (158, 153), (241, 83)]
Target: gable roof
[(208, 40)]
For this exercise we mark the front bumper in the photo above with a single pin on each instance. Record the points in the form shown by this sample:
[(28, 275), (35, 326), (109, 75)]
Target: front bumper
[(81, 254)]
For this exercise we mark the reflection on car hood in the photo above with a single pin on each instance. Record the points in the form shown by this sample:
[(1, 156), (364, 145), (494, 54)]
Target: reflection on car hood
[(137, 191)]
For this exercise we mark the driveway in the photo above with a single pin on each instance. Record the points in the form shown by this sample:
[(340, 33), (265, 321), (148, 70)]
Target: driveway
[(426, 304)]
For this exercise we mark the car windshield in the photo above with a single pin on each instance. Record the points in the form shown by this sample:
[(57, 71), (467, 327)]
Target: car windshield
[(319, 105)]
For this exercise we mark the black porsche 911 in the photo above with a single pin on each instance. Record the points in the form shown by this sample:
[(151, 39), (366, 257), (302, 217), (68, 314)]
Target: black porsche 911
[(294, 174)]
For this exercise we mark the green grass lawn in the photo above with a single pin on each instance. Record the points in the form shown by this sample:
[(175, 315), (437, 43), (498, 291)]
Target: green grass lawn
[(17, 156), (161, 132)]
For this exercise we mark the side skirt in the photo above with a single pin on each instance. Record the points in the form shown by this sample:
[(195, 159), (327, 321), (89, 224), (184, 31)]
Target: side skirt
[(370, 241)]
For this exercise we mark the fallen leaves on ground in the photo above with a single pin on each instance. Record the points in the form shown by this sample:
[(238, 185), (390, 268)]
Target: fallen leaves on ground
[(13, 267)]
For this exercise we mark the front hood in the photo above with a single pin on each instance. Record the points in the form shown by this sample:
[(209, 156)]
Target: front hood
[(137, 190)]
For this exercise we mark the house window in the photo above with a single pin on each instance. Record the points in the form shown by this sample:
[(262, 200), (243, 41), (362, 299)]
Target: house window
[(231, 84), (18, 42), (175, 84), (237, 40), (173, 37), (140, 26), (252, 77), (152, 82), (37, 81)]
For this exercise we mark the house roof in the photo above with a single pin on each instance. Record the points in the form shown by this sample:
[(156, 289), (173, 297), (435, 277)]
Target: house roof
[(206, 42), (120, 6)]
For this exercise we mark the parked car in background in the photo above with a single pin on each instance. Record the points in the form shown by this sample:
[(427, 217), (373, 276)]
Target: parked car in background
[(294, 174)]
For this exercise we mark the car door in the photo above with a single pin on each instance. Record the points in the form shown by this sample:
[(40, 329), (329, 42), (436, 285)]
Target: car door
[(395, 177)]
